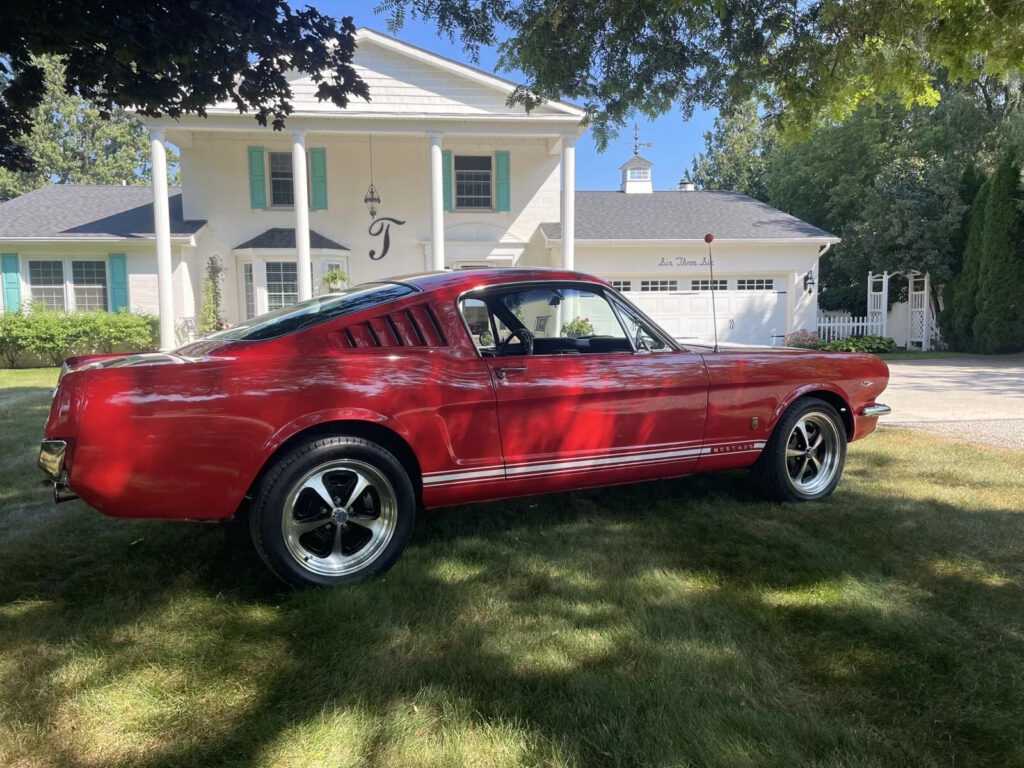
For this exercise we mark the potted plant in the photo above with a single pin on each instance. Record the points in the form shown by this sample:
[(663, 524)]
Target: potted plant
[(334, 279), (578, 328)]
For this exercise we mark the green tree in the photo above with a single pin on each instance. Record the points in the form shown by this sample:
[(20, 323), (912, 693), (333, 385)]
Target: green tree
[(962, 296), (999, 322), (803, 60), (873, 177), (73, 144), (909, 219), (170, 59), (736, 153)]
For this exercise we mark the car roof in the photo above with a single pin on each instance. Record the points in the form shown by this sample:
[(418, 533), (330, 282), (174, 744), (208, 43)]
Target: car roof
[(466, 279)]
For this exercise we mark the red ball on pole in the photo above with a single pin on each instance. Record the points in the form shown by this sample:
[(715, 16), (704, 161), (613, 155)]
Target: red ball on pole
[(708, 238)]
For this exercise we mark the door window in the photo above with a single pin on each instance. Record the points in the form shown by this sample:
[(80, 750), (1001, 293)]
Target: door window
[(557, 320)]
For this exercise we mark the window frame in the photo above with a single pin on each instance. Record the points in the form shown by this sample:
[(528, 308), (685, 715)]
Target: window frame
[(755, 284), (619, 304), (455, 184), (671, 283), (705, 285), (266, 276), (269, 181), (67, 279)]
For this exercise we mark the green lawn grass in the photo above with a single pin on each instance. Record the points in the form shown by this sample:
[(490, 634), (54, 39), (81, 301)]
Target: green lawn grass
[(681, 623)]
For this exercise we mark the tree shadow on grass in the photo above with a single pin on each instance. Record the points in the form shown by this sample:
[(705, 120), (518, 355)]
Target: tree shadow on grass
[(680, 622)]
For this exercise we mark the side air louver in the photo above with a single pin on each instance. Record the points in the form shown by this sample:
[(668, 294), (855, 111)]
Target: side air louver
[(414, 327)]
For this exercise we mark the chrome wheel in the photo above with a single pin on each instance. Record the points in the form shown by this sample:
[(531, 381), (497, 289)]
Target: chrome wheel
[(339, 517), (813, 453)]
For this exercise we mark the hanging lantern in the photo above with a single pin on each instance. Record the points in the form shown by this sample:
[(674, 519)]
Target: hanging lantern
[(372, 197), (372, 200)]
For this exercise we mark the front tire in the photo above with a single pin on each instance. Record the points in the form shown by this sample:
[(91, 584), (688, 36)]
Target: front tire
[(803, 459), (332, 511)]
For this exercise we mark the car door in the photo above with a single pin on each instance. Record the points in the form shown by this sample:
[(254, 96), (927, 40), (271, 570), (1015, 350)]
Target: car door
[(586, 406)]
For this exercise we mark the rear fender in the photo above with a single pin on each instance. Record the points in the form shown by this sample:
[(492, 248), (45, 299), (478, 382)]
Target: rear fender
[(294, 427)]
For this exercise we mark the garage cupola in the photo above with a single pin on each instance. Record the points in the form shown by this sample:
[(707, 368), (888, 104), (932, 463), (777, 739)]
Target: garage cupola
[(636, 176)]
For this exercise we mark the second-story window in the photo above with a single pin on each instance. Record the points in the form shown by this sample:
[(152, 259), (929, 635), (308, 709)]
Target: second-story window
[(472, 181), (281, 192)]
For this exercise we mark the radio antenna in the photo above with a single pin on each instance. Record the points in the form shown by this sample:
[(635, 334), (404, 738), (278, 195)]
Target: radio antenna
[(711, 266)]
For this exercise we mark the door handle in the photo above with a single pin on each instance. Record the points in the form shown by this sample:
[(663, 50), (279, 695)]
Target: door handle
[(502, 373)]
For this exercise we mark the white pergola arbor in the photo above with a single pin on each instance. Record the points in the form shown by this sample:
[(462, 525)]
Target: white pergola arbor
[(920, 319)]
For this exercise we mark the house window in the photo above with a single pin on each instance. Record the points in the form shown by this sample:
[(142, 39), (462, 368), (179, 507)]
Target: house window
[(281, 190), (90, 284), (46, 280), (755, 284), (87, 288), (472, 181), (708, 285), (659, 285), (622, 285), (639, 174), (282, 284), (248, 291)]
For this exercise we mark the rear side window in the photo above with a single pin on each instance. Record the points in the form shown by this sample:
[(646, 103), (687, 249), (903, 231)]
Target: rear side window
[(314, 311)]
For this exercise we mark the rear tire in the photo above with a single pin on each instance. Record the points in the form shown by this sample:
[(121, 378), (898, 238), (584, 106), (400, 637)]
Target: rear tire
[(803, 459), (337, 510)]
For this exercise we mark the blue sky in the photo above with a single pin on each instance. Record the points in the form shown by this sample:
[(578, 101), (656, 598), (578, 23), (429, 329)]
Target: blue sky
[(674, 141)]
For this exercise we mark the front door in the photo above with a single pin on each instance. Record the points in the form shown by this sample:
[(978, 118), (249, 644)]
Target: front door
[(586, 393)]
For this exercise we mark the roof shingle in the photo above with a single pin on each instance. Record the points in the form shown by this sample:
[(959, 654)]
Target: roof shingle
[(282, 238), (681, 216), (84, 211)]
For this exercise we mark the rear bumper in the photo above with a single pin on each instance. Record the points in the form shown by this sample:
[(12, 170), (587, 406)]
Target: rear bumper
[(51, 457), (51, 461)]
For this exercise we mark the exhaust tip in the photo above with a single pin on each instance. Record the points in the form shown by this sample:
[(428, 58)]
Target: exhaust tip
[(61, 491)]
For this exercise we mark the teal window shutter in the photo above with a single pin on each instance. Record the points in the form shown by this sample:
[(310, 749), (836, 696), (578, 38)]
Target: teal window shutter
[(257, 179), (318, 178), (501, 181), (10, 281), (118, 281), (446, 179)]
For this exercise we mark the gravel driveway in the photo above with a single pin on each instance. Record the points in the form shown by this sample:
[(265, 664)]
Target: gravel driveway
[(980, 399)]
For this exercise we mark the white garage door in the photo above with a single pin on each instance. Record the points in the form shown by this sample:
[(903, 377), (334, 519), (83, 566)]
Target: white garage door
[(750, 310)]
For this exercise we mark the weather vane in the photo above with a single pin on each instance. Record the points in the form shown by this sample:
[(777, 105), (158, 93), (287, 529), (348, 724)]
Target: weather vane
[(636, 140)]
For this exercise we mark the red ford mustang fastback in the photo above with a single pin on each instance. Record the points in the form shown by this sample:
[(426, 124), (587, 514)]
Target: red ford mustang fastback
[(330, 421)]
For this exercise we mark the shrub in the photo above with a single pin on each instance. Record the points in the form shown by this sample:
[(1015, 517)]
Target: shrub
[(54, 336), (12, 337), (210, 316), (873, 344), (802, 339)]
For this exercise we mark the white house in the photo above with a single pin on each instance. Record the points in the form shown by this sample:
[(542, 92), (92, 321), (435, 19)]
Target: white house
[(436, 172)]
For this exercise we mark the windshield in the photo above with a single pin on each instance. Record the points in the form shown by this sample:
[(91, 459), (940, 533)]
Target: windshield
[(313, 311)]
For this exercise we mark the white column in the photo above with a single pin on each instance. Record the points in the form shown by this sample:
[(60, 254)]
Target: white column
[(436, 202), (162, 229), (300, 195), (568, 202)]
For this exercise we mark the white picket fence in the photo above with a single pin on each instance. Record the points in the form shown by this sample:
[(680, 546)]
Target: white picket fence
[(832, 328)]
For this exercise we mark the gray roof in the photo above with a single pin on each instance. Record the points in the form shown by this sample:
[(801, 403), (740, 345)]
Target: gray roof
[(84, 211), (681, 216), (281, 238)]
